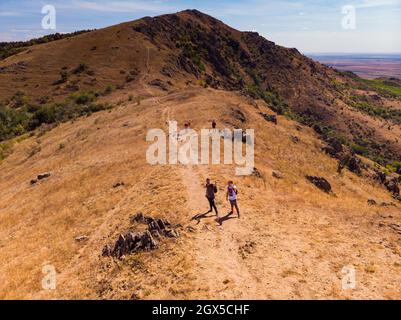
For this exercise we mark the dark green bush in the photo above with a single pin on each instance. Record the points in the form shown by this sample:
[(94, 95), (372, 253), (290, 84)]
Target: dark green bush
[(16, 121), (81, 68)]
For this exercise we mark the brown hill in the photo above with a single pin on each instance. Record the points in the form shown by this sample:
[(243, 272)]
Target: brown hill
[(190, 48), (292, 241)]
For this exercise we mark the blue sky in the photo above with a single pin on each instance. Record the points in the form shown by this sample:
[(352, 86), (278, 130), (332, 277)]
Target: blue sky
[(309, 25)]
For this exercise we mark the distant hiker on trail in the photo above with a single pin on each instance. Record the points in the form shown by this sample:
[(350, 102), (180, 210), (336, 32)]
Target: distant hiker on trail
[(232, 197), (211, 190)]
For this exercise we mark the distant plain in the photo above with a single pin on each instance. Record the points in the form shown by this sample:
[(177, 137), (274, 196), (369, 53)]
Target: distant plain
[(367, 66)]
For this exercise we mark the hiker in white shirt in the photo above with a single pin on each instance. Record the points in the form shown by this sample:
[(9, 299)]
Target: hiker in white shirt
[(232, 197)]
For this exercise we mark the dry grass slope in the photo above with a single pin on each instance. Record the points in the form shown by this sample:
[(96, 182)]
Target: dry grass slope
[(291, 242)]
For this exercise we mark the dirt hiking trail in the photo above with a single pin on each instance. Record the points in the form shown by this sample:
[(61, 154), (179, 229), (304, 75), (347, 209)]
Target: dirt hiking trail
[(216, 247)]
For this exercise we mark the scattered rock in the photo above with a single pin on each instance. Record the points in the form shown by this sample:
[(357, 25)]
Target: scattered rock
[(391, 184), (248, 248), (318, 129), (295, 139), (386, 204), (136, 296), (107, 251), (268, 117), (397, 197), (44, 176), (81, 238), (40, 177), (321, 183), (239, 115), (354, 164), (171, 233), (395, 227), (257, 173), (159, 83), (372, 202), (380, 176), (168, 71), (334, 147), (118, 184), (139, 217), (277, 174)]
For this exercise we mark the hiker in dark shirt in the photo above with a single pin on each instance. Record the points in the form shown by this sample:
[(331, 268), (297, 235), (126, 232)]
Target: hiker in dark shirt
[(211, 190)]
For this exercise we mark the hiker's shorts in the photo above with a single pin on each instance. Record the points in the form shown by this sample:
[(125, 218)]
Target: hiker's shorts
[(233, 202)]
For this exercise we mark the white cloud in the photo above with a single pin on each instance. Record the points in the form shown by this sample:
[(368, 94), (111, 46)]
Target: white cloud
[(377, 3), (9, 14), (122, 6), (258, 7)]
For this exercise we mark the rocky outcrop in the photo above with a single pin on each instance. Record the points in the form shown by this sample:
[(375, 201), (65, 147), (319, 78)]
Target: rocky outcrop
[(159, 83), (321, 183), (391, 183), (147, 240), (270, 118), (277, 174), (257, 173)]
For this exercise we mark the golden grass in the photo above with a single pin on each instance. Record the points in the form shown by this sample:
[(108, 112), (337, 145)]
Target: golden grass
[(298, 231)]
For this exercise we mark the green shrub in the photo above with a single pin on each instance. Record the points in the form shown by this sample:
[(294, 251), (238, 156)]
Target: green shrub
[(360, 103), (19, 99), (358, 149), (17, 121), (271, 97), (5, 150), (63, 76), (82, 67), (109, 89), (83, 97), (191, 51), (385, 87)]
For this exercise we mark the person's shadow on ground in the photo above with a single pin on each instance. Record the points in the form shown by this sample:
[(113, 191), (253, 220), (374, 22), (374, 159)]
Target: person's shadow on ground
[(221, 220), (198, 217)]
